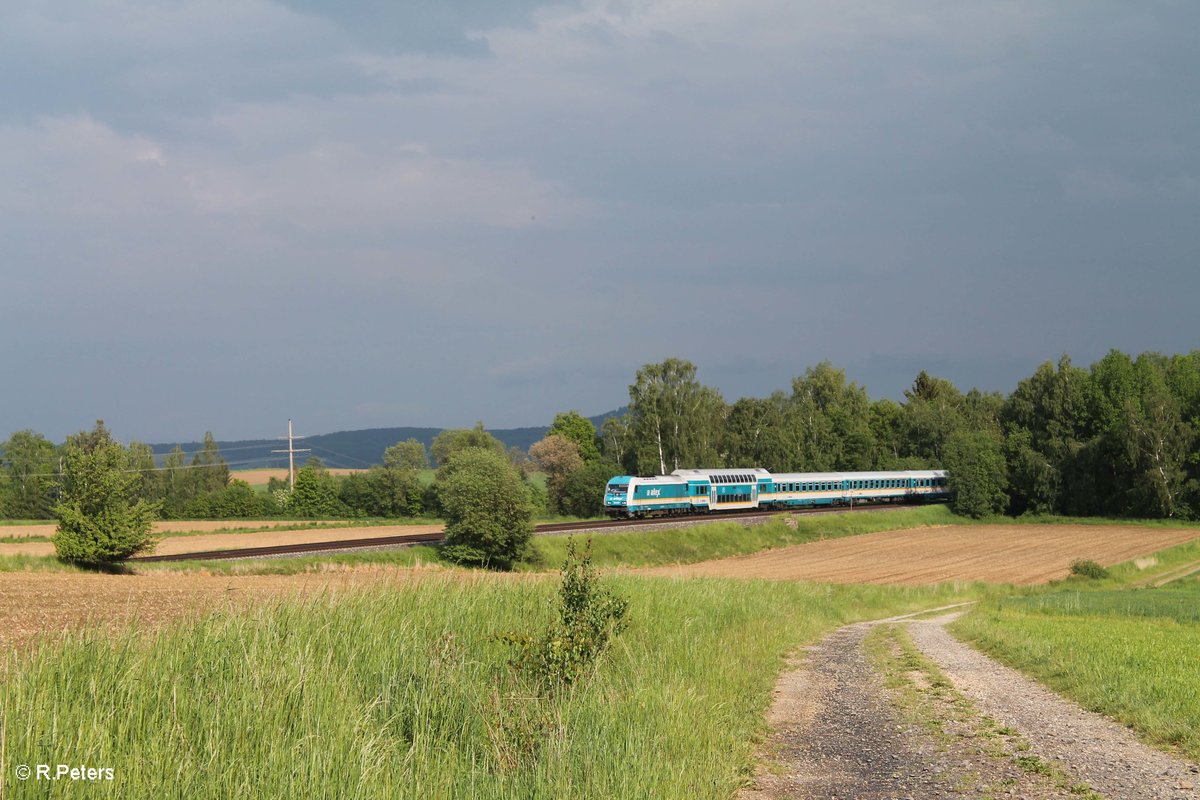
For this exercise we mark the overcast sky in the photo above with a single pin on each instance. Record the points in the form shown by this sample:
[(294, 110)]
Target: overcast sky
[(218, 214)]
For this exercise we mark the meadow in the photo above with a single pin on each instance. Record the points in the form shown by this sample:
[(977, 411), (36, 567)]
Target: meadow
[(405, 691), (1129, 653)]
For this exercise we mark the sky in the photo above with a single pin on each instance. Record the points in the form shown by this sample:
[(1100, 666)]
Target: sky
[(219, 214)]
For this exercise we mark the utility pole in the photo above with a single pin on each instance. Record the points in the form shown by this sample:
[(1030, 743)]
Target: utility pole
[(291, 451)]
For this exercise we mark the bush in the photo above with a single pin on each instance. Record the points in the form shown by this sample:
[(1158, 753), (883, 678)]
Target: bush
[(99, 519), (1088, 569), (588, 617), (487, 509)]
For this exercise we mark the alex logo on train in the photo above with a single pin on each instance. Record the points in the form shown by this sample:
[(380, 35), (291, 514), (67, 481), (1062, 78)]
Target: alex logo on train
[(654, 493)]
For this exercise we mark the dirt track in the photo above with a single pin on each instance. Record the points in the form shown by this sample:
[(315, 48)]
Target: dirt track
[(878, 728), (237, 541), (1025, 554)]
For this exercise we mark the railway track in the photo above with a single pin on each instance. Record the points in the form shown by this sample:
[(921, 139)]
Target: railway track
[(402, 540)]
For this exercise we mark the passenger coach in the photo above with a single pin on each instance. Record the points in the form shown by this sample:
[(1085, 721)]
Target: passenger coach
[(690, 491)]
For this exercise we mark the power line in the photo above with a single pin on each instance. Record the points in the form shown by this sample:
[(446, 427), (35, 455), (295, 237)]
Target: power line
[(342, 455)]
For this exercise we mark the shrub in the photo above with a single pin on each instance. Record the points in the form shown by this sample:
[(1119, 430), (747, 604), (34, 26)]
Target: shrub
[(99, 519), (1087, 568), (588, 617)]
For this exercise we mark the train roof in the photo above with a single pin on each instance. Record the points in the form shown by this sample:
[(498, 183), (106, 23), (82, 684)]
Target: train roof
[(705, 473), (858, 476)]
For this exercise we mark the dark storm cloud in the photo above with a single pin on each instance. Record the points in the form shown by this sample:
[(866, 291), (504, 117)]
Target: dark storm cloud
[(221, 214)]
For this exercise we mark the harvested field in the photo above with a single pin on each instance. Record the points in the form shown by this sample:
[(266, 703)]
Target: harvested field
[(238, 541), (179, 526), (1023, 554), (38, 605), (261, 477)]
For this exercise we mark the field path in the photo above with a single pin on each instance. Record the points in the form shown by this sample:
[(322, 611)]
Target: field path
[(840, 730), (1091, 747)]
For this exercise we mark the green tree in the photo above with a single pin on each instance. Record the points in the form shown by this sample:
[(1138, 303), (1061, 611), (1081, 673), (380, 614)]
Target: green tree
[(409, 454), (1045, 424), (582, 493), (487, 508), (616, 443), (579, 429), (1154, 443), (390, 492), (209, 472), (761, 432), (887, 432), (150, 481), (675, 420), (100, 518), (933, 412), (316, 493), (451, 441), (977, 473), (832, 421), (30, 463)]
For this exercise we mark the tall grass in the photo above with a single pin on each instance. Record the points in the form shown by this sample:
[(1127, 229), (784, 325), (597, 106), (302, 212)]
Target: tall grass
[(22, 563), (399, 693)]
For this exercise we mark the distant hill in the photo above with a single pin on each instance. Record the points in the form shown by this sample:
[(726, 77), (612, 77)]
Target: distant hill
[(350, 449)]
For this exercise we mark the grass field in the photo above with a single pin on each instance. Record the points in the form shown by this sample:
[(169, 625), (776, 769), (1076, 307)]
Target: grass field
[(1128, 653), (404, 692)]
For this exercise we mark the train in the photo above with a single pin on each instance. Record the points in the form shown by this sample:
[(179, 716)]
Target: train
[(712, 491)]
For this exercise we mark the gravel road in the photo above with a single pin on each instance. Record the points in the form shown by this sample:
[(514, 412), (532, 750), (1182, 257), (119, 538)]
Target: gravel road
[(1094, 748), (840, 730)]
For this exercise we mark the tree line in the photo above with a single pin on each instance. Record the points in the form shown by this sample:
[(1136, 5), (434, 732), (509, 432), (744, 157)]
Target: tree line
[(1119, 438)]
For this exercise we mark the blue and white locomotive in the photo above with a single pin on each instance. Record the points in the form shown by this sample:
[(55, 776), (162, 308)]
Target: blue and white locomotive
[(705, 491)]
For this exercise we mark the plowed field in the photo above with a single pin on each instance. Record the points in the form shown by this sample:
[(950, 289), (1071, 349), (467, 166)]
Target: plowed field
[(1025, 554)]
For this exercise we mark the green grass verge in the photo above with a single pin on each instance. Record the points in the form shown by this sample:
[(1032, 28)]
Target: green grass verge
[(1051, 519), (413, 556), (35, 564), (721, 539), (400, 693), (1126, 653)]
